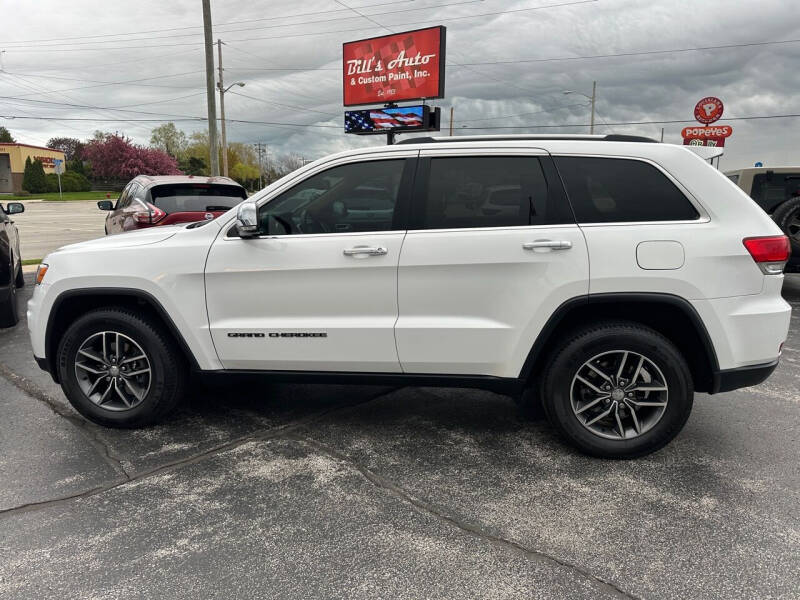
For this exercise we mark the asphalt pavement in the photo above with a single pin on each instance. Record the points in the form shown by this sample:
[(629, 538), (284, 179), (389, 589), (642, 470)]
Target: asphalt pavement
[(301, 491), (46, 226)]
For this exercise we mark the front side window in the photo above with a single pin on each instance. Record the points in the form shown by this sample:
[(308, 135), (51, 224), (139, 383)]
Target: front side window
[(619, 190), (488, 191), (357, 197)]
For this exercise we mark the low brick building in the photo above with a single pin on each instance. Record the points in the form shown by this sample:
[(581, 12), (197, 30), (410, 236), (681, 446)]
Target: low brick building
[(12, 164)]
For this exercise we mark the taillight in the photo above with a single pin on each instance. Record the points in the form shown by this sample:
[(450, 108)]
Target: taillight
[(770, 253), (151, 216)]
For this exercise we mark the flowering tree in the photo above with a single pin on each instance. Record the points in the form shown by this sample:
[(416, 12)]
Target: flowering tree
[(115, 156)]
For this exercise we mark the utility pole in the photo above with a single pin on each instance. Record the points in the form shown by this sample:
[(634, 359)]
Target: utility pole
[(213, 144), (594, 98), (222, 113), (261, 149), (451, 121)]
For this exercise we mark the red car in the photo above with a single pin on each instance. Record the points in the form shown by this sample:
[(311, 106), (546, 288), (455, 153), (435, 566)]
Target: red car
[(150, 200)]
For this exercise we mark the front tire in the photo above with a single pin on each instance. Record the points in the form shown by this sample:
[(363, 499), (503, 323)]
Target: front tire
[(120, 369), (617, 390)]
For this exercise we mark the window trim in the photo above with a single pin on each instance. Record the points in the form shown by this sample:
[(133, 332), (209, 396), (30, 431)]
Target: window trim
[(555, 186), (703, 216), (400, 219)]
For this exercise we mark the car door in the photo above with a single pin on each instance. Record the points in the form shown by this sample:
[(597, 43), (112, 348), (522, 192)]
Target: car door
[(317, 290), (6, 252), (114, 217), (491, 252)]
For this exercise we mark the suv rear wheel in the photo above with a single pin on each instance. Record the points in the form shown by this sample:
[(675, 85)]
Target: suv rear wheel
[(617, 390), (120, 369)]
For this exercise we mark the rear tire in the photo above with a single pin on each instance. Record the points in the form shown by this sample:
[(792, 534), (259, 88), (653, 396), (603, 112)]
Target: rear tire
[(9, 315), (594, 390), (787, 216), (102, 380)]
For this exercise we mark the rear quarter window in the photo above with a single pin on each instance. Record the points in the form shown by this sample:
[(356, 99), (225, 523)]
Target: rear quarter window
[(620, 190)]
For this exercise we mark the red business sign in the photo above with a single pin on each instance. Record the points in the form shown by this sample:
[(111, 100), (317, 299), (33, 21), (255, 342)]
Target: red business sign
[(708, 110), (706, 136), (394, 68)]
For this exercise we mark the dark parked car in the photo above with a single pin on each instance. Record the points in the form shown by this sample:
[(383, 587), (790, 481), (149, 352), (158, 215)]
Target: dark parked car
[(10, 264), (150, 200)]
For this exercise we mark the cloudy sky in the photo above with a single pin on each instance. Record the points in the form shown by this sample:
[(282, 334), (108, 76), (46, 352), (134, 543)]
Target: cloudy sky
[(508, 64)]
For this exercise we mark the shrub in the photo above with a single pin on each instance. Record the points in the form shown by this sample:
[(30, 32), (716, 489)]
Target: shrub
[(33, 179), (70, 182), (52, 182)]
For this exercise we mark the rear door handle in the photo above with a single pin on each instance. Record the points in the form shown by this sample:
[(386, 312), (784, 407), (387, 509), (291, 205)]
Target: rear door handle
[(551, 244), (367, 250)]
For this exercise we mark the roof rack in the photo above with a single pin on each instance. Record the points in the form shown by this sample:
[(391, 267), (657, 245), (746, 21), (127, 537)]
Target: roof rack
[(612, 137)]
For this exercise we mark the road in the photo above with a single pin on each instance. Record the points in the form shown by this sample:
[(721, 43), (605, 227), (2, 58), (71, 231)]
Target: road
[(46, 226), (300, 491)]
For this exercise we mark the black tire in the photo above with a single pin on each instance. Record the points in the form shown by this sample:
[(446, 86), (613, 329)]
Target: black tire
[(787, 216), (168, 367), (9, 311), (617, 337), (20, 281)]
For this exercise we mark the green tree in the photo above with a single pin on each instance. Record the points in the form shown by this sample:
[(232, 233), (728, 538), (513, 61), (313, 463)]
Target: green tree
[(170, 139), (33, 178), (6, 137)]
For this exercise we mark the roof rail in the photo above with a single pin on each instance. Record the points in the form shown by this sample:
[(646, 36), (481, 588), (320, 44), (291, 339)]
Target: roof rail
[(612, 137)]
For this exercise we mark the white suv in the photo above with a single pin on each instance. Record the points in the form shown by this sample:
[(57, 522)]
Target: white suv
[(607, 278)]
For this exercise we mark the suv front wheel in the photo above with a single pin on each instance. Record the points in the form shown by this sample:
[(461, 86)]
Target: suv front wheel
[(617, 390), (120, 369)]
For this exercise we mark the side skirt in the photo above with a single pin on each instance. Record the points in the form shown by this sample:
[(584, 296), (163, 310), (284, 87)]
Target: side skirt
[(501, 385)]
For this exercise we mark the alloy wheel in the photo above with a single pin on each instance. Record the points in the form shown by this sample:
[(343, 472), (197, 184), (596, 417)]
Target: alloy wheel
[(113, 371), (619, 394)]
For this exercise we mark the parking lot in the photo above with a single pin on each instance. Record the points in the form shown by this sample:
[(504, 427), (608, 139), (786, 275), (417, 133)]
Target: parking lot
[(298, 491), (46, 226)]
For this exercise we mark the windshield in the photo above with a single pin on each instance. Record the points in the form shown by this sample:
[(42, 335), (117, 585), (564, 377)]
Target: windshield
[(196, 197)]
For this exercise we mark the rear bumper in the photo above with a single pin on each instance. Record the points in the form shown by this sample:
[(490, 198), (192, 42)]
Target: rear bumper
[(733, 379)]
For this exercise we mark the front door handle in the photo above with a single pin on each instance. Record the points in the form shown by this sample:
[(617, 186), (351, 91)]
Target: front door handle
[(366, 250), (551, 244)]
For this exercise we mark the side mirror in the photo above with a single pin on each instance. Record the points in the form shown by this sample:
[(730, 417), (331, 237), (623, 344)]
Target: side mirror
[(247, 219), (105, 205), (14, 208)]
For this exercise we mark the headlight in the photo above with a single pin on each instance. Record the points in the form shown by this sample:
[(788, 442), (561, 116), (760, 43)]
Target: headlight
[(40, 273)]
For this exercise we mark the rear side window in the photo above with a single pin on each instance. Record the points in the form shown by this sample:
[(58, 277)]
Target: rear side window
[(489, 191), (618, 190), (196, 197)]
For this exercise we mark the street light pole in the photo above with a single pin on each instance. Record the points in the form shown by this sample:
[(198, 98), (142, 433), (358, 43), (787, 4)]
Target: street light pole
[(222, 113), (210, 96), (592, 99)]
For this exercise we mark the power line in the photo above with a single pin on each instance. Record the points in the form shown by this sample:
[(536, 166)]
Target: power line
[(673, 121), (282, 124), (293, 107), (275, 18), (536, 112), (306, 34)]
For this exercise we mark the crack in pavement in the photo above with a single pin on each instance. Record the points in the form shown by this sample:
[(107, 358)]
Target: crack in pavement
[(399, 492), (263, 435), (98, 443)]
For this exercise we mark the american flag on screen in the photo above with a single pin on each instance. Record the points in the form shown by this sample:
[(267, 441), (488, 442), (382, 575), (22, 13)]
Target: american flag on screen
[(383, 119), (380, 120)]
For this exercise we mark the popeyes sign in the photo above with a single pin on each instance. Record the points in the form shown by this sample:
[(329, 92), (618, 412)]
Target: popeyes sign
[(394, 68), (707, 111)]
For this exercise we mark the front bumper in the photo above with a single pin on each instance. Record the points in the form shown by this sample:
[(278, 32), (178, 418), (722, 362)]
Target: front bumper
[(733, 379)]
